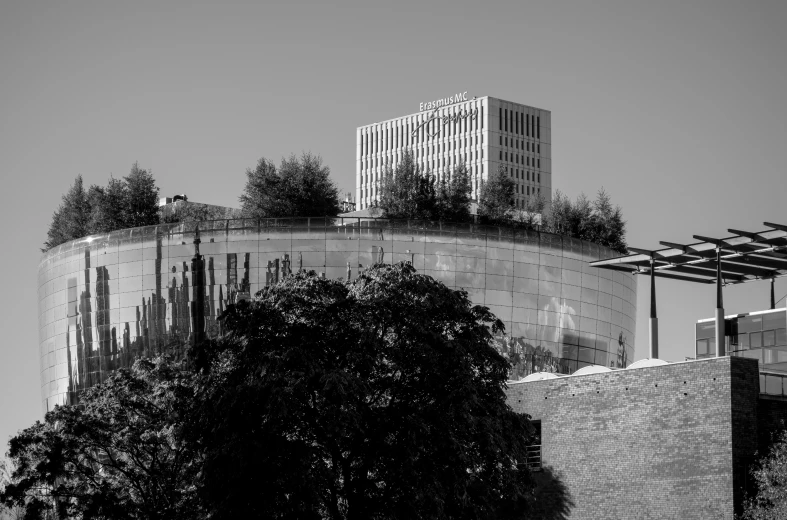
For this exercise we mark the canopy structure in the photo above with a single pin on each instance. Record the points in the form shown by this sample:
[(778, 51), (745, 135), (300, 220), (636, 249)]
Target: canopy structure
[(743, 257)]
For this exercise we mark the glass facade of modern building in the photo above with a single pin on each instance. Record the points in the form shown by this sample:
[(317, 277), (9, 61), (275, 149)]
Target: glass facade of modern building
[(760, 335), (105, 300)]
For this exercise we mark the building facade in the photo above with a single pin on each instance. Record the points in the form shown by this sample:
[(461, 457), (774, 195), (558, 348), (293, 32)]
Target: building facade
[(760, 335), (105, 300), (483, 133), (670, 441)]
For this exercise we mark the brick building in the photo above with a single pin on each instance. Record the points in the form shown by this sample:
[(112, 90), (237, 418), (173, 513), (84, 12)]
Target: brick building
[(669, 441)]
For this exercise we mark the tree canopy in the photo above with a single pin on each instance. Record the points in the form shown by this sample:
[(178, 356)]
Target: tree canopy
[(72, 218), (379, 398), (299, 187), (130, 202), (119, 454), (407, 192), (496, 200), (140, 206), (596, 221), (770, 478)]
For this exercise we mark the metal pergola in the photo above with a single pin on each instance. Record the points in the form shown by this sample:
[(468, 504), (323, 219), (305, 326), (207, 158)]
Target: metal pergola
[(743, 257)]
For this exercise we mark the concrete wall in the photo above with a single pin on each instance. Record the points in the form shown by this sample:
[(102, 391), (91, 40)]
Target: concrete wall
[(662, 442)]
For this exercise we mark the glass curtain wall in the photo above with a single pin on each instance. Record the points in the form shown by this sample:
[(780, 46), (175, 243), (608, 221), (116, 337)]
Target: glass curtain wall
[(106, 300)]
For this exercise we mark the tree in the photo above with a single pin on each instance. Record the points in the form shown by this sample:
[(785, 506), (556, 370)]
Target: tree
[(13, 512), (108, 206), (531, 216), (380, 398), (141, 198), (770, 477), (130, 202), (117, 455), (610, 229), (453, 195), (301, 187), (496, 199), (407, 192), (71, 220), (596, 222)]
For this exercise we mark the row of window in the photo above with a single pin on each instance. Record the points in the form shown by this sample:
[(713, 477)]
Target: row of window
[(535, 163), (536, 148), (418, 129), (531, 190), (473, 171), (745, 341), (520, 123), (475, 155)]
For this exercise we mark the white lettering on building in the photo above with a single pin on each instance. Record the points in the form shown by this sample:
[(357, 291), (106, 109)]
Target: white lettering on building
[(437, 103)]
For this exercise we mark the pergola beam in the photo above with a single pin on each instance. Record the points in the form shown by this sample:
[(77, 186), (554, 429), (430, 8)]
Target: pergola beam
[(669, 274), (780, 227)]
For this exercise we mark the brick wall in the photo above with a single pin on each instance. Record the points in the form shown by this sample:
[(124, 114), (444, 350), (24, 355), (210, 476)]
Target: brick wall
[(657, 442)]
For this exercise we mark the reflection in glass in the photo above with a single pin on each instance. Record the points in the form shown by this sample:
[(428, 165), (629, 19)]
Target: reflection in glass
[(106, 301)]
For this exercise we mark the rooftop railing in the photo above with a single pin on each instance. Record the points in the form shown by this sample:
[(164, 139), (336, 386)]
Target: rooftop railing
[(363, 226)]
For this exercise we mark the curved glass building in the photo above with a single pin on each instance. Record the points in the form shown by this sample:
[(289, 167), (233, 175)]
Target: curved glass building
[(105, 300)]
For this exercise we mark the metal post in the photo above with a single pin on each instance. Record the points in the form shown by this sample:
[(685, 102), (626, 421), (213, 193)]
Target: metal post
[(773, 293), (720, 335), (654, 321)]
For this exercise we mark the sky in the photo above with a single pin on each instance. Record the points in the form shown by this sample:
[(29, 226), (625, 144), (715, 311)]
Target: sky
[(676, 109)]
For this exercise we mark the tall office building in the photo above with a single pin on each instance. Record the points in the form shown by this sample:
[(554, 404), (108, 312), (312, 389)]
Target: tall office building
[(485, 133)]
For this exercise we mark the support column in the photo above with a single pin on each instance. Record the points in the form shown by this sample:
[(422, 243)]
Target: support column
[(720, 347), (654, 321)]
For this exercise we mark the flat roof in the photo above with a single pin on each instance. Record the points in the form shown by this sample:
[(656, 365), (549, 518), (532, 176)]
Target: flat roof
[(743, 315), (745, 257), (475, 98)]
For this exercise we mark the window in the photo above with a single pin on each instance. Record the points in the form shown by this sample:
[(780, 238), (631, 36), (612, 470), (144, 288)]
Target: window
[(501, 140), (500, 118), (517, 123), (538, 128), (774, 320), (501, 155), (506, 113), (539, 181), (539, 163)]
